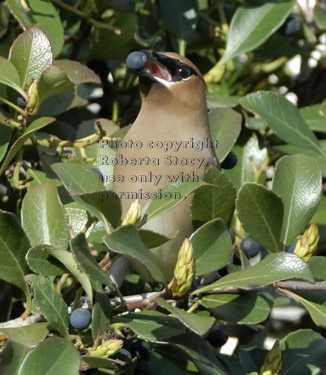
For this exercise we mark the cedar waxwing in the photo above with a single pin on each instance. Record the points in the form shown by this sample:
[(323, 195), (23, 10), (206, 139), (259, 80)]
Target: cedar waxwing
[(169, 141)]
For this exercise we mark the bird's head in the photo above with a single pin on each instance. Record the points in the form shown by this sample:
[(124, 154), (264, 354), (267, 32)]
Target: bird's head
[(167, 76)]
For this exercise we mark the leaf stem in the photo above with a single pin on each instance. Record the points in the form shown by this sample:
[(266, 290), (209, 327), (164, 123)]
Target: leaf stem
[(85, 16), (14, 106)]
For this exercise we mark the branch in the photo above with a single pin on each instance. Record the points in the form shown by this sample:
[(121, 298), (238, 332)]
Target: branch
[(302, 285)]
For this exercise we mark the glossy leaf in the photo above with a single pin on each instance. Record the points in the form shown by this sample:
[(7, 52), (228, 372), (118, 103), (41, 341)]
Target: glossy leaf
[(320, 16), (180, 17), (251, 155), (54, 356), (9, 75), (209, 204), (126, 240), (199, 352), (152, 239), (274, 267), (101, 315), (66, 258), (50, 303), (43, 217), (196, 323), (40, 261), (315, 117), (43, 14), (78, 178), (96, 362), (31, 54), (171, 195), (317, 311), (225, 126), (283, 117), (152, 325), (77, 72), (297, 181), (12, 357), (252, 24), (29, 335), (302, 349), (18, 144), (5, 136), (14, 245), (212, 246), (260, 211), (86, 260), (293, 150), (246, 308)]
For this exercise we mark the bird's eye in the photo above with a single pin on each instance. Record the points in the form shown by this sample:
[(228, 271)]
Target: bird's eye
[(184, 72)]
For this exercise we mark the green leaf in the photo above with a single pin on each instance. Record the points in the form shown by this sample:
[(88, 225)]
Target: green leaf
[(274, 267), (297, 181), (212, 246), (9, 75), (62, 76), (44, 218), (252, 24), (199, 352), (152, 325), (283, 117), (101, 315), (216, 100), (152, 239), (5, 136), (78, 178), (315, 117), (89, 192), (86, 260), (77, 72), (13, 248), (320, 15), (27, 335), (246, 308), (31, 54), (180, 17), (208, 204), (260, 211), (97, 362), (317, 312), (225, 126), (171, 195), (43, 14), (196, 323), (32, 128), (41, 261), (66, 258), (250, 154), (301, 349), (54, 356), (126, 240), (293, 150), (101, 205), (13, 357), (50, 303)]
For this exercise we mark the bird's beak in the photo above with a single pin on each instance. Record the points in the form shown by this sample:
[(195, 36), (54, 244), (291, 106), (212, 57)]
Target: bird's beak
[(149, 64)]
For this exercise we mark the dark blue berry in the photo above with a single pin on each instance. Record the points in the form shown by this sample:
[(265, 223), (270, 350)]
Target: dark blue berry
[(138, 348), (291, 247), (217, 337), (290, 27), (230, 161), (123, 355), (21, 102), (249, 247), (136, 60), (80, 318)]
